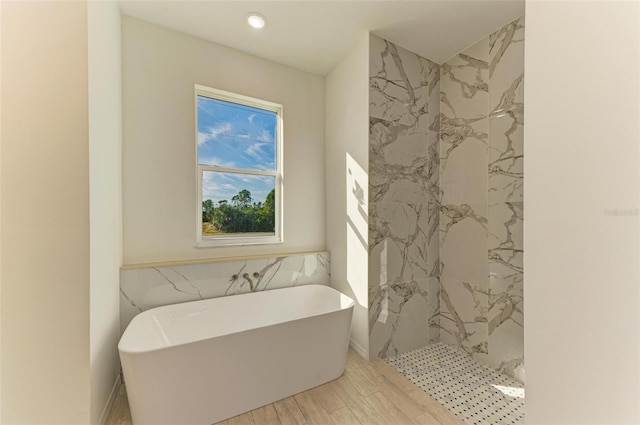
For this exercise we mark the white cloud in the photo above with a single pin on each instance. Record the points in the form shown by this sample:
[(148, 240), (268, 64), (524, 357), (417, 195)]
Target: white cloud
[(214, 132), (215, 188), (202, 138), (265, 136), (251, 117), (257, 152), (221, 163)]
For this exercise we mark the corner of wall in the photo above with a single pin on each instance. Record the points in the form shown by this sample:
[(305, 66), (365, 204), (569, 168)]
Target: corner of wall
[(346, 182), (105, 205), (1, 91), (481, 216)]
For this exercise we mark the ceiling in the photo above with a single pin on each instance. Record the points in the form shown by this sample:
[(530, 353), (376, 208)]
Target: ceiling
[(314, 35)]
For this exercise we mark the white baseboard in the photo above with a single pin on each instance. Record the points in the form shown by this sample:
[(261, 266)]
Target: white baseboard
[(359, 349), (112, 398)]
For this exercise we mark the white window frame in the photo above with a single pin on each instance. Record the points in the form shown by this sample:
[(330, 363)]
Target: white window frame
[(239, 239)]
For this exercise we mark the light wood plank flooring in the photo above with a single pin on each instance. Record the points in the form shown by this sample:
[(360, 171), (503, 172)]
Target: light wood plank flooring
[(369, 392)]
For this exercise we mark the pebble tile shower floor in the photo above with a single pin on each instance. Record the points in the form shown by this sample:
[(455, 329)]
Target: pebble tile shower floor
[(474, 392)]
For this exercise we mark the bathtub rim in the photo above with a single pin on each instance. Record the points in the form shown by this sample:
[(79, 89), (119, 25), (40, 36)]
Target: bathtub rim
[(133, 352)]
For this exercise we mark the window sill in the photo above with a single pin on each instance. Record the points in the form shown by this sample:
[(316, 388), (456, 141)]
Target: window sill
[(238, 241)]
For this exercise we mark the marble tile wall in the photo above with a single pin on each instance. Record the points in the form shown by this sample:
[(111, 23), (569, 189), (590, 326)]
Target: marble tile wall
[(464, 294), (148, 287), (404, 103), (505, 197), (481, 209)]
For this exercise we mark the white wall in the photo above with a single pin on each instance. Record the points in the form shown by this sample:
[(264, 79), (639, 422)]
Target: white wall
[(160, 68), (347, 165), (45, 214), (105, 176), (1, 91), (582, 287)]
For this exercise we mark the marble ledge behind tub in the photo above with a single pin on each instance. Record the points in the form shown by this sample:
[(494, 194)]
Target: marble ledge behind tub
[(152, 286)]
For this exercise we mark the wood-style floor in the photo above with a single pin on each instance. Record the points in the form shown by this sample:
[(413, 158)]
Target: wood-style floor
[(369, 392)]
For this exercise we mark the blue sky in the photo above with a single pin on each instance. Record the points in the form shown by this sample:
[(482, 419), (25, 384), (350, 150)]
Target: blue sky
[(232, 135)]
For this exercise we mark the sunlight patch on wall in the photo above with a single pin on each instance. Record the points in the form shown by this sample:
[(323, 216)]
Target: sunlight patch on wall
[(357, 182)]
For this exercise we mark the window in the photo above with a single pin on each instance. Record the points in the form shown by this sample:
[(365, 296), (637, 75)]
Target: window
[(239, 167)]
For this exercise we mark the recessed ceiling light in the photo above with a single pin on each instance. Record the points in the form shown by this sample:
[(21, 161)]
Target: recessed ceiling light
[(256, 20)]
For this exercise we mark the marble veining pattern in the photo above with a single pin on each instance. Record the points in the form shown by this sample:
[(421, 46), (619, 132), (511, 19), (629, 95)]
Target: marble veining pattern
[(464, 81), (481, 202), (403, 199), (506, 207), (505, 239), (145, 288), (433, 177), (506, 101), (464, 226), (463, 316)]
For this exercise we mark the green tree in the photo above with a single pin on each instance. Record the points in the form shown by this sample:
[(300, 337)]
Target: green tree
[(241, 216), (224, 217), (267, 213), (242, 199), (207, 211)]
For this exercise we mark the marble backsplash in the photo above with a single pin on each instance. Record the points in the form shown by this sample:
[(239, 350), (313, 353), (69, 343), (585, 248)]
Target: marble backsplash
[(146, 287), (404, 103)]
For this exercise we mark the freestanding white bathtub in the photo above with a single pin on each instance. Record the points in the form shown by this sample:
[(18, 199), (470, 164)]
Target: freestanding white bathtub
[(205, 361)]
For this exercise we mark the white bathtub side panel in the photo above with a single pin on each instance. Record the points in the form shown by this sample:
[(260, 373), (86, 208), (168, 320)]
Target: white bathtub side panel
[(212, 380)]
